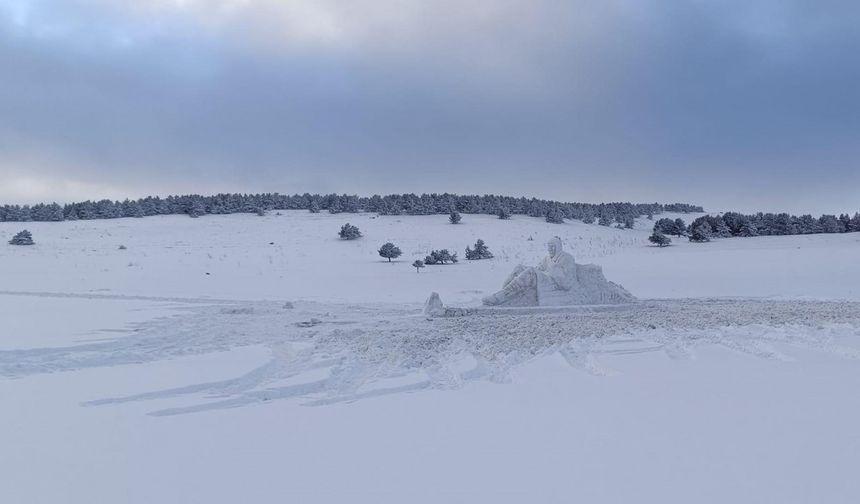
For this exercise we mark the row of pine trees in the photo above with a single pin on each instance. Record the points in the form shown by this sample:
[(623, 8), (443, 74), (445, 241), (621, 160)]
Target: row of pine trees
[(769, 224), (395, 204), (724, 225)]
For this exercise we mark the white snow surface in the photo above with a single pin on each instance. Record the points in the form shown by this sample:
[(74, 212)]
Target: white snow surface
[(301, 368)]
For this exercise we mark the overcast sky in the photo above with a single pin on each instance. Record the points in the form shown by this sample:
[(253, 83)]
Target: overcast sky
[(733, 104)]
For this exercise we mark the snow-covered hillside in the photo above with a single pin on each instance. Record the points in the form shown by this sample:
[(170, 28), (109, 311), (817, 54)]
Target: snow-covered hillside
[(292, 255), (298, 255), (244, 358)]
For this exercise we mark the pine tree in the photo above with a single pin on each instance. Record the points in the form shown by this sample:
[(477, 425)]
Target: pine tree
[(700, 233), (659, 239), (845, 221), (503, 213), (664, 226), (854, 226), (389, 251), (680, 227), (22, 238), (554, 216), (454, 217), (54, 213), (721, 230), (135, 210), (197, 209), (418, 264), (349, 232), (748, 229), (314, 207)]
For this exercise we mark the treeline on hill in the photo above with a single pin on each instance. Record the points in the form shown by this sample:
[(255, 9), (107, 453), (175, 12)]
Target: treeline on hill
[(395, 204), (732, 224)]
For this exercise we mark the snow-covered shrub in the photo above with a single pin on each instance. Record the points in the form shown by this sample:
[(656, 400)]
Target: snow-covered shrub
[(503, 213), (389, 251), (659, 239), (22, 238), (440, 257), (479, 252), (454, 218), (349, 232)]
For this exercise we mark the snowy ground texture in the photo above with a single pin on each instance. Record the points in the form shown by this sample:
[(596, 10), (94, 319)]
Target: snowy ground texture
[(261, 359)]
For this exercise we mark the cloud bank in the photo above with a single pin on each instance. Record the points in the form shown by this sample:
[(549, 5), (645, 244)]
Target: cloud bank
[(734, 105)]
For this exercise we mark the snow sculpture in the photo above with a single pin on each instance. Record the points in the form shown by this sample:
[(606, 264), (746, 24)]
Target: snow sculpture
[(433, 307), (558, 281)]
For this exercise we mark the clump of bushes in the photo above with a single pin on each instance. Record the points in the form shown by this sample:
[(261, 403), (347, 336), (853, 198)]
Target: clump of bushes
[(675, 227), (481, 251), (440, 257)]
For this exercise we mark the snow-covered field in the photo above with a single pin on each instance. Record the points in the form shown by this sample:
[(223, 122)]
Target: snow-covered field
[(175, 370)]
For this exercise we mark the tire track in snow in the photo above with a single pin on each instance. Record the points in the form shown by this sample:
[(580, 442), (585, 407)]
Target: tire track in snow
[(354, 349)]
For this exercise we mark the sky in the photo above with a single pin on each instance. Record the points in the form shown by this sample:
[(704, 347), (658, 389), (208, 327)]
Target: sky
[(741, 105)]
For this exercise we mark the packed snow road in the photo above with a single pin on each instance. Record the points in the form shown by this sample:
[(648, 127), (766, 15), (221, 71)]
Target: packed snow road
[(330, 353)]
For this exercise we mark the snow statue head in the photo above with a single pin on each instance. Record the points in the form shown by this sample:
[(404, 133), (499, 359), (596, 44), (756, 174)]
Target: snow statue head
[(554, 247)]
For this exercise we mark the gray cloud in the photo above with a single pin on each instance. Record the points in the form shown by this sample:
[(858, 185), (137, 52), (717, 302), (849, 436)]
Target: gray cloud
[(744, 105)]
